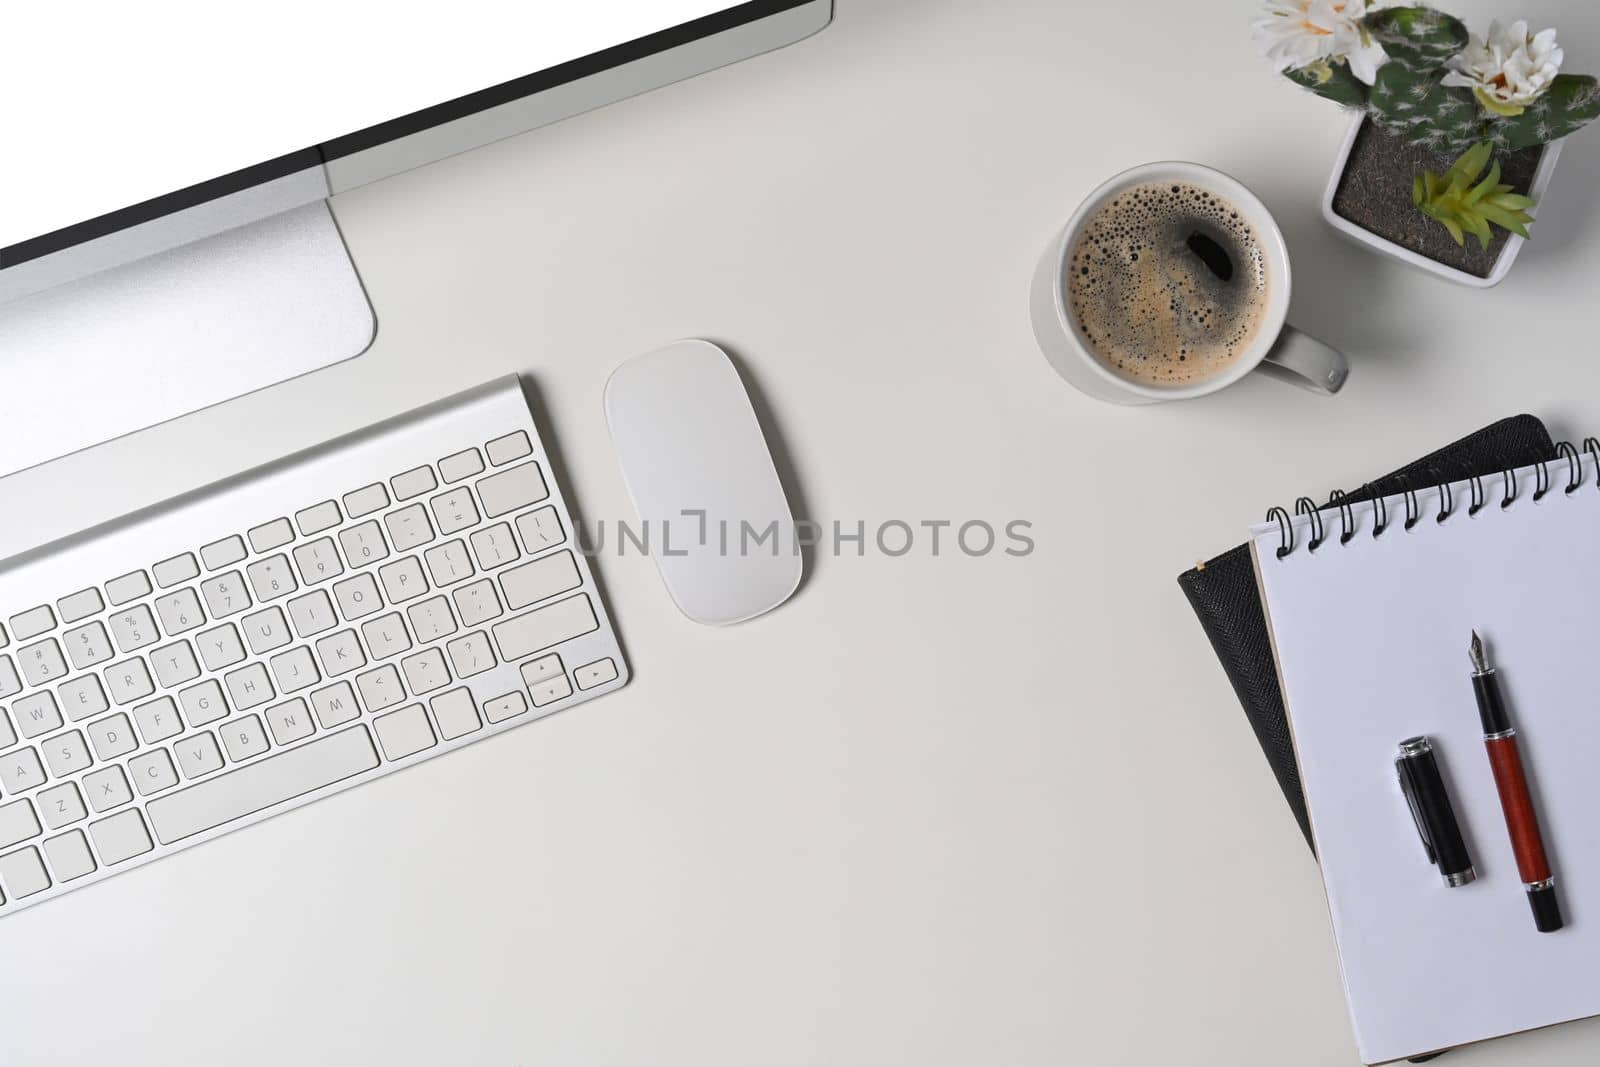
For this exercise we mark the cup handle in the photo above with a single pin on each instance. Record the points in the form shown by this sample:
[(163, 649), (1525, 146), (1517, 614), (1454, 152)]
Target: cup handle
[(1300, 359)]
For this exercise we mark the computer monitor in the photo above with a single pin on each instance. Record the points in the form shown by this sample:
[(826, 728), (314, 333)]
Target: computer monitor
[(155, 133), (135, 116)]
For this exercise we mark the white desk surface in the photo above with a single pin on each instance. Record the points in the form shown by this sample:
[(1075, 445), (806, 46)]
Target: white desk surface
[(934, 810)]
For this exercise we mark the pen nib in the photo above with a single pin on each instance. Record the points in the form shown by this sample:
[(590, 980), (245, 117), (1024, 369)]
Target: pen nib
[(1480, 662)]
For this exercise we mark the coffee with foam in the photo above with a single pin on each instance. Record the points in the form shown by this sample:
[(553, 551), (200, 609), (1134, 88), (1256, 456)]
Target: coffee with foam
[(1167, 284)]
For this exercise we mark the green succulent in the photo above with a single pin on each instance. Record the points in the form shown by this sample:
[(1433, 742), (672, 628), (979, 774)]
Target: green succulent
[(1462, 207)]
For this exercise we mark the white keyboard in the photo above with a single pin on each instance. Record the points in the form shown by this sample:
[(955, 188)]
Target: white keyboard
[(289, 633)]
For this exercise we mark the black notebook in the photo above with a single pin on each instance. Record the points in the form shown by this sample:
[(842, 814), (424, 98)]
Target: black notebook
[(1224, 596)]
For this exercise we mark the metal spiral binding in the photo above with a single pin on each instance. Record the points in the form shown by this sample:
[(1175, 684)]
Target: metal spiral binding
[(1307, 508)]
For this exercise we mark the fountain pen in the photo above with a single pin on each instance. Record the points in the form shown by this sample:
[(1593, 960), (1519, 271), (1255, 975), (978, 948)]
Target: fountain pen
[(1522, 822)]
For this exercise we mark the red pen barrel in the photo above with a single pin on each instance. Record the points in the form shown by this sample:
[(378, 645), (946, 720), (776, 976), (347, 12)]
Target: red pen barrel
[(1521, 821)]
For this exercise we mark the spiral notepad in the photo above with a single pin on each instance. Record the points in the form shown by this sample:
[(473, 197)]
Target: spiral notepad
[(1370, 607)]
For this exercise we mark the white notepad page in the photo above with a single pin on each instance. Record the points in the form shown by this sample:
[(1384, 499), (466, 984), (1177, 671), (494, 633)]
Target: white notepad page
[(1371, 640)]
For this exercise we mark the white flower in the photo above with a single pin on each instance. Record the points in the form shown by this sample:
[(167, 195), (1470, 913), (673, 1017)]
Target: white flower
[(1294, 34), (1509, 69)]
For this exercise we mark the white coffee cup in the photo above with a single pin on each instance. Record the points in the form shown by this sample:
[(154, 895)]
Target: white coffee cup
[(1279, 347)]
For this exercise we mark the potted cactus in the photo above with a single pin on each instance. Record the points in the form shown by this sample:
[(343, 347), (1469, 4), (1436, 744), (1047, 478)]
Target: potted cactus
[(1453, 138)]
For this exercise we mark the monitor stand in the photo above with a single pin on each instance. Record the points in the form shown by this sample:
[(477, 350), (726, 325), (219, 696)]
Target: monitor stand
[(143, 343)]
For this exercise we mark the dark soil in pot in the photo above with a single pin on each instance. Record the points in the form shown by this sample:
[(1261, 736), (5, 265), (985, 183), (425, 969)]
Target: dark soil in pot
[(1375, 194)]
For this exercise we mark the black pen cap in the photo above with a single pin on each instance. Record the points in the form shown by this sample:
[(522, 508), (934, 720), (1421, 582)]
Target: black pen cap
[(1546, 908), (1435, 816)]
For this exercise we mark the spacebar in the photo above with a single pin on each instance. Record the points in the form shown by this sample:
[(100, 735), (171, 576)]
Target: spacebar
[(261, 785)]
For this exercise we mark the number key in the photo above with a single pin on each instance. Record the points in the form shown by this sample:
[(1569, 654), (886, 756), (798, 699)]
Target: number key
[(271, 578), (86, 646), (363, 544), (42, 662), (318, 561), (133, 629), (180, 612), (225, 595)]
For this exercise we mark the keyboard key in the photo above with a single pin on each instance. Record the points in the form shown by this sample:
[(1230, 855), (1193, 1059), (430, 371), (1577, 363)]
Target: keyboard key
[(128, 681), (107, 788), (61, 805), (358, 597), (478, 603), (289, 721), (174, 664), (318, 561), (33, 622), (37, 714), (364, 544), (455, 713), (403, 580), (386, 636), (405, 732), (413, 482), (112, 736), (432, 619), (448, 563), (86, 646), (471, 654), (295, 670), (220, 647), (21, 771), (335, 705), (455, 510), (42, 663), (381, 688), (128, 587), (540, 529), (318, 517), (67, 754), (244, 738), (242, 792), (80, 605), (203, 703), (121, 837), (312, 614), (425, 671), (271, 535), (509, 490), (69, 856), (223, 553), (198, 755), (22, 874), (180, 612), (512, 446), (158, 720), (248, 687), (265, 631), (17, 823), (3, 640), (82, 698), (271, 578), (549, 692), (226, 595), (522, 636), (9, 682), (175, 571), (495, 547), (502, 708), (461, 465), (409, 527), (366, 500), (542, 669), (152, 772), (540, 580), (133, 629), (340, 653), (8, 736)]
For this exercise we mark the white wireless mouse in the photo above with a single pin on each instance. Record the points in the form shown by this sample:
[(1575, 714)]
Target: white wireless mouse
[(703, 483)]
